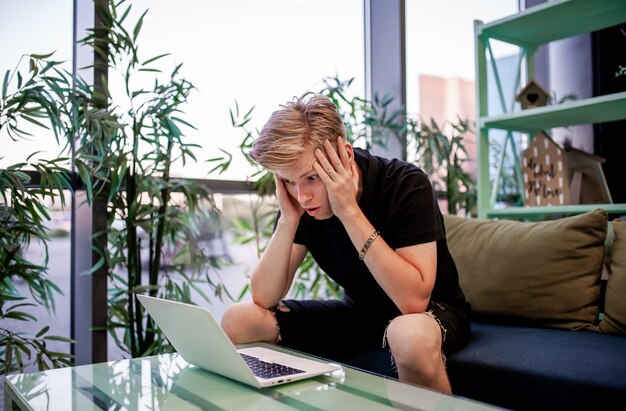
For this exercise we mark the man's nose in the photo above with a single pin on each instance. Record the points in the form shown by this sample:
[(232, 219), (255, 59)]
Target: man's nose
[(304, 194)]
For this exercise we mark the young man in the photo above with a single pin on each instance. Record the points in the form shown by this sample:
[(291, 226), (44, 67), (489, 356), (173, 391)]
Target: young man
[(374, 226)]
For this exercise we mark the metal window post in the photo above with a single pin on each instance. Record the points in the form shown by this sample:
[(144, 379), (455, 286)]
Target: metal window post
[(385, 68), (88, 292)]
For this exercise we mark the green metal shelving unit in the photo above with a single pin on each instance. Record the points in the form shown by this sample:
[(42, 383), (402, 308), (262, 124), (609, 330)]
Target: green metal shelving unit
[(529, 29)]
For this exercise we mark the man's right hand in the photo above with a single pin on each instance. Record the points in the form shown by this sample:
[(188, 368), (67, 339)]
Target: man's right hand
[(290, 209), (273, 275)]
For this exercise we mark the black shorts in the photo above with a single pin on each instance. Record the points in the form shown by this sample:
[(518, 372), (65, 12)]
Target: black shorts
[(338, 329)]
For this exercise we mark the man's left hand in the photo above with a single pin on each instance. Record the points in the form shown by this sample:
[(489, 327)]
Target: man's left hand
[(340, 176)]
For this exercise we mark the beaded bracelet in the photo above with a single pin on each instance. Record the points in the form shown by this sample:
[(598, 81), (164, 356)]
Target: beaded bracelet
[(367, 244)]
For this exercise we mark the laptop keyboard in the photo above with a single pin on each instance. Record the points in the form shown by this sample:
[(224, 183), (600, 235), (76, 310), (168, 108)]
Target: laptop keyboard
[(265, 369)]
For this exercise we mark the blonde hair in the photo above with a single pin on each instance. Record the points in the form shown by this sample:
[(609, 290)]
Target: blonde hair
[(298, 127)]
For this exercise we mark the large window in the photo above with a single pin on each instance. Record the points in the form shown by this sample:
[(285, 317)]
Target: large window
[(440, 63), (440, 56), (254, 53), (251, 53)]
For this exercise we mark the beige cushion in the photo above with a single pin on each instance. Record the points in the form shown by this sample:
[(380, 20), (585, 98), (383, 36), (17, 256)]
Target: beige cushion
[(542, 273), (614, 321)]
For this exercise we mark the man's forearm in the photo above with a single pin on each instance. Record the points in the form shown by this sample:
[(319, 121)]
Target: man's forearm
[(272, 276), (407, 283)]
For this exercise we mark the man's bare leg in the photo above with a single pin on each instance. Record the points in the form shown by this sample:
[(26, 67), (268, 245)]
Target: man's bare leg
[(416, 341), (248, 322)]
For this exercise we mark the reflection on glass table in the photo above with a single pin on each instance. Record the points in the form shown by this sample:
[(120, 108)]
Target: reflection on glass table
[(167, 382)]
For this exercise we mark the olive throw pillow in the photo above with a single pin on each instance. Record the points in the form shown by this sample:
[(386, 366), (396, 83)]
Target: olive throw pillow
[(540, 273), (614, 321)]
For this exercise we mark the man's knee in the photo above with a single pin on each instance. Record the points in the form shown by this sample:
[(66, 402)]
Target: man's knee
[(248, 322), (413, 335), (236, 318)]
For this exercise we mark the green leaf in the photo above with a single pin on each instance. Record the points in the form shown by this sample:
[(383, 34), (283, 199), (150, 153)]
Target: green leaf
[(32, 120), (8, 355), (126, 12), (5, 84), (180, 120), (42, 56), (139, 24), (21, 316), (96, 267), (59, 338), (42, 331), (155, 58), (138, 93), (17, 305), (85, 176)]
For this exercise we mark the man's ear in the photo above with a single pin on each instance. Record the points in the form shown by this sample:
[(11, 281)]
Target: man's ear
[(349, 150)]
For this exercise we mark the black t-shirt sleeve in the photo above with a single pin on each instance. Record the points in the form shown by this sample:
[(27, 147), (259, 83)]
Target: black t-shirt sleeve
[(414, 216)]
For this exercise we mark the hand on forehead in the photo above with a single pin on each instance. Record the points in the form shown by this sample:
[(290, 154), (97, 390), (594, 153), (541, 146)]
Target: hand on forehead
[(333, 158)]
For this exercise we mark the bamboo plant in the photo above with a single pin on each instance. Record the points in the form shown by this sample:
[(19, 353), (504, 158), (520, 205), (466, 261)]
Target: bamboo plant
[(154, 220), (26, 188), (125, 141)]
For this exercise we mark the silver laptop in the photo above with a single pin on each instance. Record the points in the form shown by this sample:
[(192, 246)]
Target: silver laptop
[(200, 340)]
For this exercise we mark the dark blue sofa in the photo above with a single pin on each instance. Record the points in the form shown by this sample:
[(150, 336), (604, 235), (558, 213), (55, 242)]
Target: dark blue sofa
[(529, 368), (526, 368), (549, 313)]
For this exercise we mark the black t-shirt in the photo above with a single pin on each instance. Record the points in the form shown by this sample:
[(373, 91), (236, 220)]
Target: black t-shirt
[(398, 199)]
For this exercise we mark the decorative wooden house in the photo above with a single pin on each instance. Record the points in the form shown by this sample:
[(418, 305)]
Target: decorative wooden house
[(532, 95), (544, 171), (587, 182), (554, 175)]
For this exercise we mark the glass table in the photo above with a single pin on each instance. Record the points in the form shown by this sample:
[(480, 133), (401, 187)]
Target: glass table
[(167, 382)]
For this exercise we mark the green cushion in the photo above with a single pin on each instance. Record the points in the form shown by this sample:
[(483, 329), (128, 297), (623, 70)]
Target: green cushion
[(614, 321), (541, 273)]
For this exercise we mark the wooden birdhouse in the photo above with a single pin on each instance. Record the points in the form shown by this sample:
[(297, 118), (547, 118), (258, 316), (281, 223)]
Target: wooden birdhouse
[(532, 95), (555, 175)]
